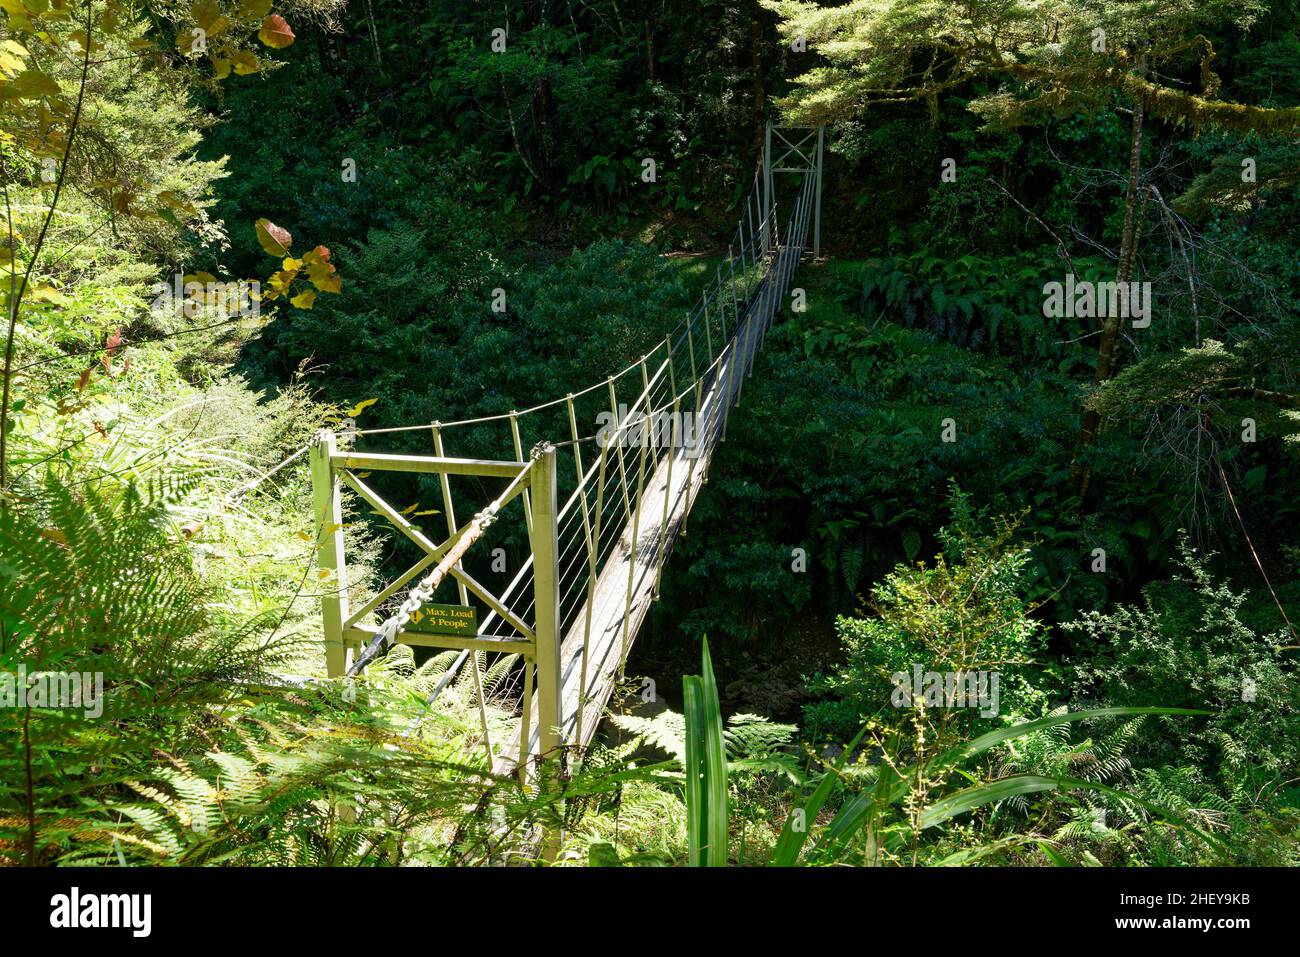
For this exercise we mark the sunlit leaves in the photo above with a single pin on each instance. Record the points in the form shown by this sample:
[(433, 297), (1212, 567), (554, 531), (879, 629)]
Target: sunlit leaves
[(13, 55), (30, 84), (321, 273), (175, 203), (224, 32), (208, 17), (254, 9), (244, 61), (43, 292), (78, 39)]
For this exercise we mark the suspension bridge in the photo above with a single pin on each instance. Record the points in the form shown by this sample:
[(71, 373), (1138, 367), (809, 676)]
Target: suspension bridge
[(610, 479)]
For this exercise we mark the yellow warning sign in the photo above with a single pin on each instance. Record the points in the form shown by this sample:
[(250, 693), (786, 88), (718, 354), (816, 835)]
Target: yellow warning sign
[(444, 620)]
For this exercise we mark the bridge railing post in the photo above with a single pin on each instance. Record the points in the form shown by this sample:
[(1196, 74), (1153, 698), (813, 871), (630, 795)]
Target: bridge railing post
[(328, 514), (767, 172), (817, 214), (544, 540)]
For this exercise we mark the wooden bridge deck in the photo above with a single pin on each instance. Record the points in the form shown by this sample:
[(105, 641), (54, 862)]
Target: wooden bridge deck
[(607, 646)]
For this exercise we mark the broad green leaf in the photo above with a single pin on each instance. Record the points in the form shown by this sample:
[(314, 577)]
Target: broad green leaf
[(706, 769)]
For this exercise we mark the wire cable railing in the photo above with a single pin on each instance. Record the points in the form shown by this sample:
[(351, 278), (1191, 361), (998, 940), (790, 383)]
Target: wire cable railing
[(627, 481)]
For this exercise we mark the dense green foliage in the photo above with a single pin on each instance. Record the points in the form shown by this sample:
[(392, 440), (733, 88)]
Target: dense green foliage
[(926, 470)]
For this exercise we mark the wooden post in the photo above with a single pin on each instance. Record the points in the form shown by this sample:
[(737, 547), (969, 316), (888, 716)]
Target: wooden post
[(328, 510), (546, 595)]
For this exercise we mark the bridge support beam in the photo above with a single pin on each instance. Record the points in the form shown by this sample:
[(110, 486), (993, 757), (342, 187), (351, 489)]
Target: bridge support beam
[(329, 551), (767, 185), (544, 539), (817, 209)]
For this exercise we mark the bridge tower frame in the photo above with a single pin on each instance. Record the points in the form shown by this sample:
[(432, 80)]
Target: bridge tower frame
[(799, 155)]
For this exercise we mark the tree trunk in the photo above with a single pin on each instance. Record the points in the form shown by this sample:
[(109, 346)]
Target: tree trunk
[(649, 53), (1080, 470)]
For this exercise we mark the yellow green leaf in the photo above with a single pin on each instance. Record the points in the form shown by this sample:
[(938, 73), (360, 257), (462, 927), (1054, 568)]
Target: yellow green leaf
[(45, 293), (207, 15), (244, 61), (360, 407), (304, 300), (12, 56), (327, 283), (32, 84), (254, 9)]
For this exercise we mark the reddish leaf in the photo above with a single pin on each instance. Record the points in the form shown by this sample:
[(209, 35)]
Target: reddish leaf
[(276, 240), (114, 341), (275, 32)]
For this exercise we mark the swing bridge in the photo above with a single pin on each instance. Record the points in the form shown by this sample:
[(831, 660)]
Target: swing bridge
[(601, 510)]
